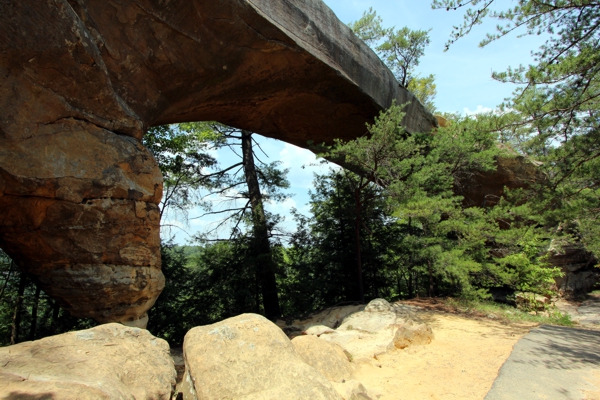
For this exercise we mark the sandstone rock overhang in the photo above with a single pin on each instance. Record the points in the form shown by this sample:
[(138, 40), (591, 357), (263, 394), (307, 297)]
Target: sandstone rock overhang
[(81, 81)]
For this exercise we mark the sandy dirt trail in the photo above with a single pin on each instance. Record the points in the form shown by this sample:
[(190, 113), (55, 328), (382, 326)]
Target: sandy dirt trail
[(460, 363)]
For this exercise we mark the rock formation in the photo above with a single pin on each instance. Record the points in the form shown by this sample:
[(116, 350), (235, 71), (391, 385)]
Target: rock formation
[(365, 331), (244, 357), (109, 361), (80, 82), (248, 357), (579, 267), (327, 358), (484, 189)]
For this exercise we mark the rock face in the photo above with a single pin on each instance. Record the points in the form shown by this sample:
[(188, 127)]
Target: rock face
[(376, 330), (366, 331), (579, 267), (327, 358), (484, 189), (80, 214), (248, 357), (81, 80), (106, 362)]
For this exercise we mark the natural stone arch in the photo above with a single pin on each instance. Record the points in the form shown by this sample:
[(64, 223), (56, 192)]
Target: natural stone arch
[(80, 82)]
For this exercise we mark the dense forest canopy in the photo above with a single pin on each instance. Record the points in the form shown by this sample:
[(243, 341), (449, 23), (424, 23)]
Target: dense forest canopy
[(395, 223)]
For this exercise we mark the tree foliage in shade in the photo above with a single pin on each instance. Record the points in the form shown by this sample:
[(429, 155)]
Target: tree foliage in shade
[(319, 266), (26, 312), (205, 284), (182, 154)]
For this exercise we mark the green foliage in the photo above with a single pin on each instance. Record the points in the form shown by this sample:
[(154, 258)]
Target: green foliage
[(446, 240), (400, 49), (181, 152), (384, 155), (369, 27), (507, 313), (424, 89), (555, 108), (320, 264), (444, 243)]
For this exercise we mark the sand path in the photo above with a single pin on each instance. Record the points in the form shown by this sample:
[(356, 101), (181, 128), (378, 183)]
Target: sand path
[(462, 361)]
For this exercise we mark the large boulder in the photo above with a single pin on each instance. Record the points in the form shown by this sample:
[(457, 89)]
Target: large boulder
[(411, 334), (109, 361), (366, 331), (327, 358), (370, 332), (248, 357), (80, 83), (323, 321)]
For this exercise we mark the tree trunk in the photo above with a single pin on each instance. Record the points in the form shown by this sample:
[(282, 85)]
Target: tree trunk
[(55, 313), (430, 280), (416, 285), (359, 277), (16, 320), (262, 247), (256, 290), (34, 310), (341, 259), (10, 269)]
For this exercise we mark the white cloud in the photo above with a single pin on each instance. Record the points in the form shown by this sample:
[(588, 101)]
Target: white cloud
[(479, 110), (283, 207), (302, 165)]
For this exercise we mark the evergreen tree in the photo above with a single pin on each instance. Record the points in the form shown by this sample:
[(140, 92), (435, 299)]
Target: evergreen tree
[(320, 265), (555, 108), (401, 50), (182, 154)]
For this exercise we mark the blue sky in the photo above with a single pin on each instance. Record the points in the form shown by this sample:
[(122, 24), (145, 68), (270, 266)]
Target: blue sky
[(462, 76)]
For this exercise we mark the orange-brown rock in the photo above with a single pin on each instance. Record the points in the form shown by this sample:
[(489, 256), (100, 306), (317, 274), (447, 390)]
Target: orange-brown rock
[(80, 82), (484, 189)]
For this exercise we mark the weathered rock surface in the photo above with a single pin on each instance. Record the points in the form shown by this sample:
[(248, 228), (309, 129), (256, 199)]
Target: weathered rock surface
[(323, 321), (327, 358), (248, 357), (484, 189), (80, 82), (366, 331), (370, 332), (579, 268), (109, 361), (318, 330), (353, 390), (411, 334)]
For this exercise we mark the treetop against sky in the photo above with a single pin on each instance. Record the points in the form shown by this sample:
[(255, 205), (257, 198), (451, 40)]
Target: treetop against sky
[(463, 76)]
